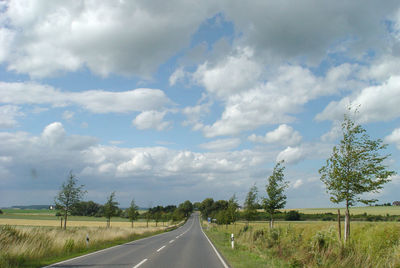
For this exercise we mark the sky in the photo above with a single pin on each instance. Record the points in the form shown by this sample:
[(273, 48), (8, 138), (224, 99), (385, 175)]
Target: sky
[(167, 101)]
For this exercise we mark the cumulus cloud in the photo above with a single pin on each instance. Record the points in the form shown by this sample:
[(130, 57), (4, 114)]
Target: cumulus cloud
[(274, 101), (78, 34), (394, 137), (95, 101), (151, 120), (376, 103), (8, 114), (308, 28), (221, 144), (291, 155), (233, 74), (283, 135)]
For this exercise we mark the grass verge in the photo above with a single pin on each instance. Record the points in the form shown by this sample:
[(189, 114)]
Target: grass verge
[(241, 256)]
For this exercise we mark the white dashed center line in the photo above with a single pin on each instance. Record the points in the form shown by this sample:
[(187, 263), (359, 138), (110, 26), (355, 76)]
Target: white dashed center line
[(140, 263), (171, 241), (161, 248)]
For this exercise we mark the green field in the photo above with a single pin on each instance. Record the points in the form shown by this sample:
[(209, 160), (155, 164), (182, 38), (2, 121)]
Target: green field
[(381, 210)]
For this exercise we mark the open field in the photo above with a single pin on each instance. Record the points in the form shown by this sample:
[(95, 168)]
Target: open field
[(309, 244), (77, 223), (392, 210)]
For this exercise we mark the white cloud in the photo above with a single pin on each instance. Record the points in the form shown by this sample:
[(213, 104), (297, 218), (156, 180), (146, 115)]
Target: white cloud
[(68, 115), (291, 155), (176, 76), (233, 74), (283, 135), (297, 183), (54, 133), (376, 103), (151, 120), (78, 34), (272, 102), (394, 137), (8, 114), (95, 101), (221, 144)]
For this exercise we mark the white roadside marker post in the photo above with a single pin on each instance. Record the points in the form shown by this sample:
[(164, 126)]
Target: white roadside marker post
[(232, 241), (87, 240)]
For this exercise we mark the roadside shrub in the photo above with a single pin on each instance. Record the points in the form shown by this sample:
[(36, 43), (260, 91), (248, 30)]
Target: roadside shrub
[(1, 212), (292, 215)]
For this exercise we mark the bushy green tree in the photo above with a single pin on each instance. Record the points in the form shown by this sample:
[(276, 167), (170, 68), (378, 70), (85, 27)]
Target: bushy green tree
[(186, 207), (355, 167), (69, 195), (110, 208), (276, 198)]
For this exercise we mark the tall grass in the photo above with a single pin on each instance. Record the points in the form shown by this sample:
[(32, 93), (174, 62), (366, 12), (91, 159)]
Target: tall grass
[(21, 246), (316, 244)]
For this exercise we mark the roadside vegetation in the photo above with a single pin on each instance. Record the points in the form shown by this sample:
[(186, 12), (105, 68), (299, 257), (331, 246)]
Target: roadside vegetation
[(308, 244)]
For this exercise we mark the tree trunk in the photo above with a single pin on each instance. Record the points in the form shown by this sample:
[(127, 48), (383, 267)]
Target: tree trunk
[(347, 225), (339, 226), (65, 220), (271, 222), (61, 220)]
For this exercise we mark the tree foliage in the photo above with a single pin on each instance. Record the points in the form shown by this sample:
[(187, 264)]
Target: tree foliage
[(110, 208), (251, 204), (276, 185), (355, 167), (132, 212), (68, 196)]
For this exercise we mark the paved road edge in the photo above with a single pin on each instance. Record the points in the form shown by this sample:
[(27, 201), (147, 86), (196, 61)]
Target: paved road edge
[(215, 249)]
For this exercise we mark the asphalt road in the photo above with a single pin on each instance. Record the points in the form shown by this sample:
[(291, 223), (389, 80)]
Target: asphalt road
[(186, 247)]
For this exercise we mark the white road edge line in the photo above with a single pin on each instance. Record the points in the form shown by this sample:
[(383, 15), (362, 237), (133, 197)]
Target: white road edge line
[(161, 248), (140, 263), (216, 252)]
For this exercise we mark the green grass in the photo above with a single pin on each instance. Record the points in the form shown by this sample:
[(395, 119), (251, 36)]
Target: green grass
[(309, 244), (241, 256)]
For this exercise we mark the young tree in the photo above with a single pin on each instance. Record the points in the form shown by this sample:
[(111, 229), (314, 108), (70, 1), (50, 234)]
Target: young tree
[(276, 199), (232, 209), (354, 168), (69, 195), (133, 212), (110, 208), (250, 204)]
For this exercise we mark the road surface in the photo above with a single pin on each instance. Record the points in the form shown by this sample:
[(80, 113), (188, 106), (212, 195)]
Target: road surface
[(185, 247)]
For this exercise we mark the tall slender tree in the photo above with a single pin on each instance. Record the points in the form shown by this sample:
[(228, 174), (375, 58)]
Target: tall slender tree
[(276, 198), (133, 212), (68, 196), (232, 209), (110, 208), (250, 204), (355, 167)]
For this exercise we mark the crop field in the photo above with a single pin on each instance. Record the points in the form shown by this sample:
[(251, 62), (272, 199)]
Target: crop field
[(379, 210), (32, 217)]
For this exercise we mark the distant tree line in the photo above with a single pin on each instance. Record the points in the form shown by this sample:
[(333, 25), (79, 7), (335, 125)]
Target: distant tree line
[(69, 203)]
